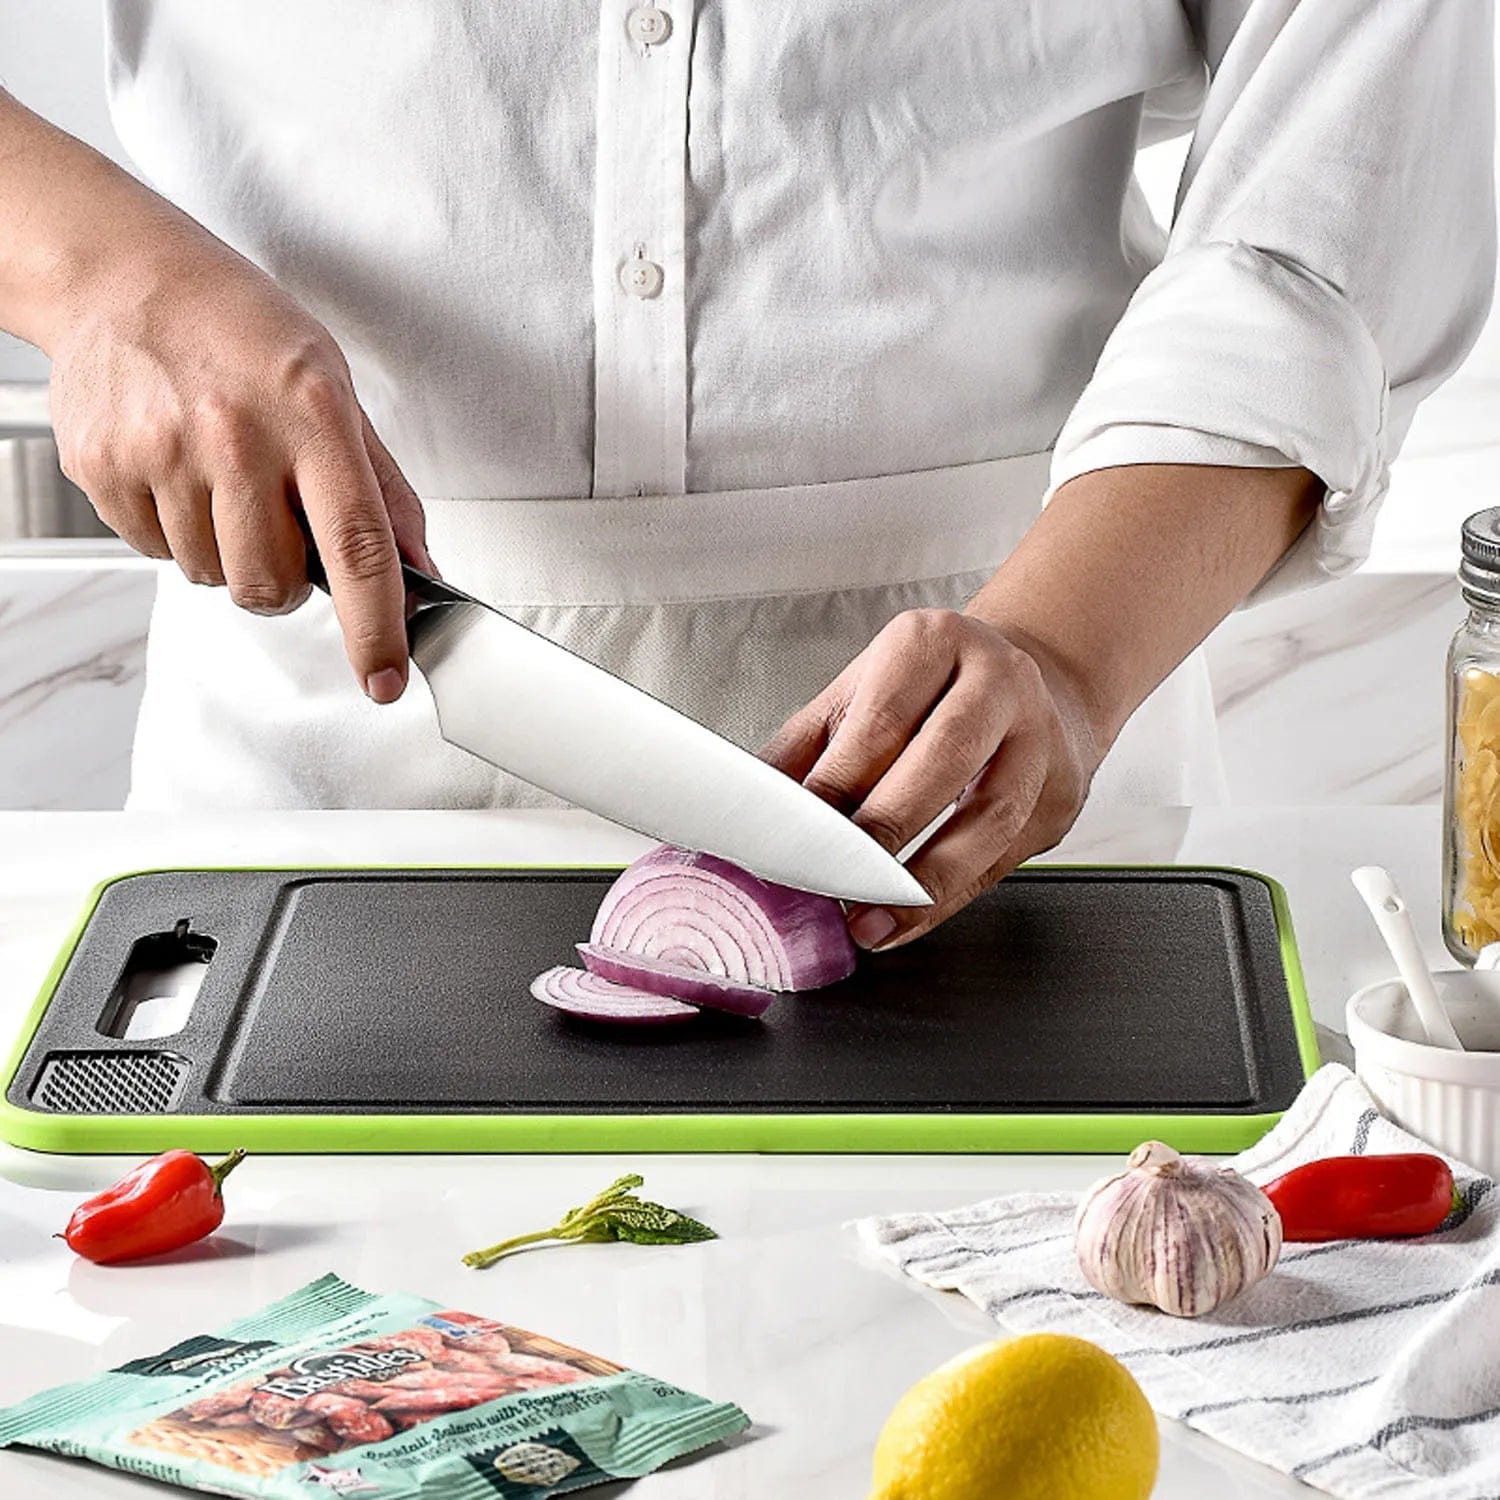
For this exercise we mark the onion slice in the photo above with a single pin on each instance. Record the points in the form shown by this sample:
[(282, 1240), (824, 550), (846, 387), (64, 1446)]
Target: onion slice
[(712, 991), (701, 914), (591, 998)]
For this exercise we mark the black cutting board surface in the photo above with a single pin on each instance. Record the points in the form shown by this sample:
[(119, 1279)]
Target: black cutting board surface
[(1064, 990)]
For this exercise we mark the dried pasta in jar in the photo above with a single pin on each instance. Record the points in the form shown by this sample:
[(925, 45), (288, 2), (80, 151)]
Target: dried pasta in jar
[(1475, 809), (1471, 840)]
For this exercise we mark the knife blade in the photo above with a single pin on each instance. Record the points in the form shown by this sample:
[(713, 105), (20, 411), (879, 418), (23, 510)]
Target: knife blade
[(539, 711)]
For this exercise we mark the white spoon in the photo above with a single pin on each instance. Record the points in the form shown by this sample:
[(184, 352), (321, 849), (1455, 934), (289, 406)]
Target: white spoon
[(1394, 921)]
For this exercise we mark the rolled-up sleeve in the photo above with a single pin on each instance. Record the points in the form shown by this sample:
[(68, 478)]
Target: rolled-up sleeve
[(1330, 262)]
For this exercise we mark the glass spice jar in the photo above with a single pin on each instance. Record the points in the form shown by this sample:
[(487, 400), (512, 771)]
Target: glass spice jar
[(1471, 797)]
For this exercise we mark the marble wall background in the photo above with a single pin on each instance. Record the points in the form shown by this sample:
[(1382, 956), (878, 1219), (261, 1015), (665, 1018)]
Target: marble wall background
[(72, 664), (1335, 696)]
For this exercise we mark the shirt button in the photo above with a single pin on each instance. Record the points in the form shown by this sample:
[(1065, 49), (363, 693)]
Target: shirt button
[(641, 278), (648, 26)]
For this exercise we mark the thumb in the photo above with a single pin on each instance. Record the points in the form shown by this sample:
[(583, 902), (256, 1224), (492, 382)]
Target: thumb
[(408, 522)]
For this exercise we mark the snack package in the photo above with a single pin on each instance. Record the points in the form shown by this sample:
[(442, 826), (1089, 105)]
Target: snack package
[(337, 1391)]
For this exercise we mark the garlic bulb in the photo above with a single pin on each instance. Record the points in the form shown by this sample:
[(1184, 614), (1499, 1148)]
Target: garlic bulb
[(1179, 1232)]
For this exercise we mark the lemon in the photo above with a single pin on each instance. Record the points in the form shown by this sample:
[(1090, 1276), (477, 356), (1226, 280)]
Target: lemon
[(1042, 1417)]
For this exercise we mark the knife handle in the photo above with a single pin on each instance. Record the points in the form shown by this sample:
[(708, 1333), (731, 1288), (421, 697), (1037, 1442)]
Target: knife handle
[(423, 591)]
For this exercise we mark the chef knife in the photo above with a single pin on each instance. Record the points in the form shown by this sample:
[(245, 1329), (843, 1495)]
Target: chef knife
[(533, 708)]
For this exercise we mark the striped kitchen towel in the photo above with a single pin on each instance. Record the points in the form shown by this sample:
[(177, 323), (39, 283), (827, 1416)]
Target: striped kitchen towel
[(1364, 1367)]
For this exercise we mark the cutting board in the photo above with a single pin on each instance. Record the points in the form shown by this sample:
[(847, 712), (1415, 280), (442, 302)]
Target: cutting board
[(386, 1009)]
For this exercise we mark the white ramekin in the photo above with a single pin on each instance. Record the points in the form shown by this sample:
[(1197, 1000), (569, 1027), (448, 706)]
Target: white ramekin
[(1449, 1099)]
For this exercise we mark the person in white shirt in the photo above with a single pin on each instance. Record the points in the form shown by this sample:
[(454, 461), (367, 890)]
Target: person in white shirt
[(737, 348)]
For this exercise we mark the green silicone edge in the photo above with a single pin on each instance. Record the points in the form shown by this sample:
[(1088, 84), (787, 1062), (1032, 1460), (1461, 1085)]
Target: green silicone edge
[(1296, 981), (832, 1134)]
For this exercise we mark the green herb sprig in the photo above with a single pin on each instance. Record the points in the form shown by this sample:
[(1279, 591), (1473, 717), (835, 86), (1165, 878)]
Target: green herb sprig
[(616, 1214)]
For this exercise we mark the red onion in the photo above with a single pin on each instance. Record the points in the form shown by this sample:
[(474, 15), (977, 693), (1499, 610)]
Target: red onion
[(681, 983), (591, 998), (701, 914)]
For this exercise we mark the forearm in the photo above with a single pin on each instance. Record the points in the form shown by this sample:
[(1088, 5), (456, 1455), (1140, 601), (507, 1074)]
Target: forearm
[(75, 223), (1128, 569), (207, 416)]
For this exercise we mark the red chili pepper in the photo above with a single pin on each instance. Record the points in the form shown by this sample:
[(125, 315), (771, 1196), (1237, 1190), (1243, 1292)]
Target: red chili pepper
[(169, 1201), (1364, 1197)]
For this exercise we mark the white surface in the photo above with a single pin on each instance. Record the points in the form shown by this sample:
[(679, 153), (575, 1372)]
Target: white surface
[(1449, 1098), (784, 1314)]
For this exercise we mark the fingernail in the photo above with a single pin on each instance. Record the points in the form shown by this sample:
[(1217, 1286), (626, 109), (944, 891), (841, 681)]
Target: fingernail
[(385, 685), (872, 927)]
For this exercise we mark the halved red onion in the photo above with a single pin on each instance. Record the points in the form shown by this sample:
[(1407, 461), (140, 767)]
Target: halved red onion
[(712, 991), (699, 913), (592, 998)]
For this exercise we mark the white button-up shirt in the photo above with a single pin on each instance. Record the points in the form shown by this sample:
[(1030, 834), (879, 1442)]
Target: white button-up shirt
[(715, 248)]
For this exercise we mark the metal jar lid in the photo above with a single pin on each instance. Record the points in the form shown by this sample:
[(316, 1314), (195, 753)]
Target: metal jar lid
[(1479, 572)]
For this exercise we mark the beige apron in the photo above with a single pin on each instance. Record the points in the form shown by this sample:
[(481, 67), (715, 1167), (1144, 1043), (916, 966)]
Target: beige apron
[(734, 607)]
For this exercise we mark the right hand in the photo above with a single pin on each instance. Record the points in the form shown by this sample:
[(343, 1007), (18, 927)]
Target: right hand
[(202, 411)]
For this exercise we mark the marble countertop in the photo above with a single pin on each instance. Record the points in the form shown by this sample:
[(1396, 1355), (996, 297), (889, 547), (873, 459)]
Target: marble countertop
[(784, 1314)]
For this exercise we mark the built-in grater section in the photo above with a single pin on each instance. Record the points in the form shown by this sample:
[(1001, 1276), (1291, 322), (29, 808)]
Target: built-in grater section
[(109, 1083)]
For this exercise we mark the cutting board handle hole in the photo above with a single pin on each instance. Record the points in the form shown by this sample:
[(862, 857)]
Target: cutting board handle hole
[(154, 995)]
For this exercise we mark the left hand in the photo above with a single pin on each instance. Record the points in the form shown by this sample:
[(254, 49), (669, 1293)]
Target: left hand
[(940, 708)]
